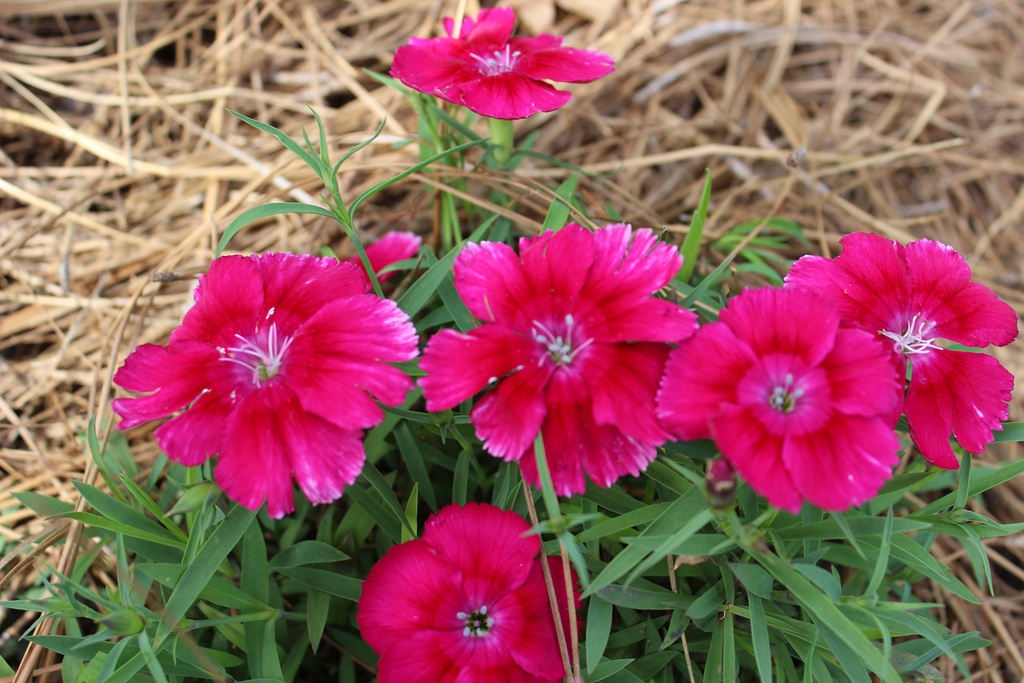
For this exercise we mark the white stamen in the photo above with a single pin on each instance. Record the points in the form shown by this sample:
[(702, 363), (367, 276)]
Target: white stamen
[(913, 340), (502, 61), (263, 362)]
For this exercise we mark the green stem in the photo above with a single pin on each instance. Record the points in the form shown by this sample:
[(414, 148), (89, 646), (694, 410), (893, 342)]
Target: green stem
[(503, 139)]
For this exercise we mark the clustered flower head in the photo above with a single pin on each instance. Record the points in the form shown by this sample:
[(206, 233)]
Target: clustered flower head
[(798, 405), (912, 297), (276, 369), (486, 70), (572, 346), (465, 602)]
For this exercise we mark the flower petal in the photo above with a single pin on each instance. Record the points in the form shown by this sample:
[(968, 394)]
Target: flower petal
[(523, 622), (229, 301), (411, 589), (459, 365), (297, 286), (488, 545), (507, 96), (623, 382), (253, 464), (575, 443), (862, 376), (324, 457), (963, 311), (178, 373), (491, 281), (757, 455), (391, 248), (833, 470), (508, 418), (869, 281), (335, 362), (793, 322), (197, 434), (545, 60), (556, 265), (960, 392), (700, 377), (492, 26)]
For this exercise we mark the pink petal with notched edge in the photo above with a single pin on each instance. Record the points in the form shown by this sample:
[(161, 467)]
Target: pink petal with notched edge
[(526, 626), (159, 369), (546, 60), (556, 267), (492, 26), (509, 95), (391, 248), (756, 454), (623, 381), (431, 70), (629, 264), (197, 434), (490, 279), (963, 311), (793, 322), (869, 281), (960, 392), (508, 418), (861, 379), (834, 471), (254, 464), (229, 301), (575, 443), (298, 286), (336, 362), (411, 589), (700, 376), (460, 364), (324, 457), (488, 545)]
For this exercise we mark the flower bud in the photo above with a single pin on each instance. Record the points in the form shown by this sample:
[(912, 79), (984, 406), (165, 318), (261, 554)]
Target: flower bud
[(721, 484), (123, 622)]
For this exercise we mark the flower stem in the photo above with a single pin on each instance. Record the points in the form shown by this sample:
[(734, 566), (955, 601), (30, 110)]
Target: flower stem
[(503, 139)]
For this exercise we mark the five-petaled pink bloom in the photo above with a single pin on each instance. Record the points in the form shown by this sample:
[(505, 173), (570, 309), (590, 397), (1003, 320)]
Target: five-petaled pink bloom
[(391, 248), (797, 404), (913, 296), (465, 602), (491, 73), (276, 368), (573, 345)]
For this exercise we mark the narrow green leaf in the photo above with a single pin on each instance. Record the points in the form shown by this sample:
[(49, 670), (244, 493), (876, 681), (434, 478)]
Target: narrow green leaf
[(147, 502), (759, 636), (978, 485), (413, 460), (254, 573), (307, 552), (755, 579), (199, 572), (310, 160), (100, 522), (1011, 431), (264, 211), (964, 484), (599, 626), (558, 212), (329, 582), (387, 494), (878, 573), (691, 244), (318, 605), (419, 292)]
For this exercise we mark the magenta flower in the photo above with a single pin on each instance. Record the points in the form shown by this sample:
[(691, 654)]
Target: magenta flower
[(799, 406), (276, 367), (913, 296), (493, 74), (465, 602), (391, 248), (573, 345)]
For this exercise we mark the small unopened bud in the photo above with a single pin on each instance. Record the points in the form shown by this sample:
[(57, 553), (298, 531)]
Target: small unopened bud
[(123, 622), (195, 497), (721, 484), (442, 418)]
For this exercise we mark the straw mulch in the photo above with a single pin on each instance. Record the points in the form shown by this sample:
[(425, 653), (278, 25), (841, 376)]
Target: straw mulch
[(119, 165)]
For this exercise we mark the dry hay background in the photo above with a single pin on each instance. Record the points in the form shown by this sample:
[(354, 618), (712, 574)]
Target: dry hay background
[(118, 160)]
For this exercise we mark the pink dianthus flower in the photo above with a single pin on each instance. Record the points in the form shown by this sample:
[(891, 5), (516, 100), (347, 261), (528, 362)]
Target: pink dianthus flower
[(493, 74), (573, 344), (798, 405), (391, 248), (911, 297), (276, 367), (465, 602)]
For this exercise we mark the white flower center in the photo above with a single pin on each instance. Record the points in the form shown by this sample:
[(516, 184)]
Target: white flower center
[(499, 62), (262, 357), (559, 346), (477, 622), (783, 397), (915, 339)]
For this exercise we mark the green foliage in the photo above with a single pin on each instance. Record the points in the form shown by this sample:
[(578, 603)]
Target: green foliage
[(672, 588)]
